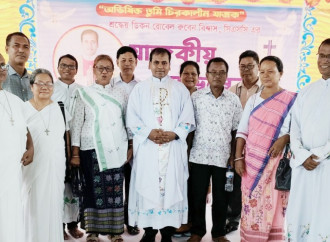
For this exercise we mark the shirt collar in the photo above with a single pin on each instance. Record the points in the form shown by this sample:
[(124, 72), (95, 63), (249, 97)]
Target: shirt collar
[(258, 83), (164, 79), (100, 87), (207, 90), (11, 71), (119, 79), (327, 81), (63, 84)]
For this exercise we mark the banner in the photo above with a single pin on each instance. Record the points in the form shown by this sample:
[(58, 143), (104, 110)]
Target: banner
[(196, 30)]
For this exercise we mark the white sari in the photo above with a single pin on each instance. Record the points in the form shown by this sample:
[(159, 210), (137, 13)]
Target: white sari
[(12, 147), (43, 180)]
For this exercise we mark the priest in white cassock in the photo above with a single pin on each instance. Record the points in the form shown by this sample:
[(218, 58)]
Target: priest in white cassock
[(308, 210), (160, 115), (13, 133)]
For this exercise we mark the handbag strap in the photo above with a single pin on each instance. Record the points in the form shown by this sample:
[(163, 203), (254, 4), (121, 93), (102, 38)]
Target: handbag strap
[(61, 104), (287, 148)]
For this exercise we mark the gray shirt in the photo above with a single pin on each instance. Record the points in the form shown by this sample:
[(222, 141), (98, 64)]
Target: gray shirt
[(18, 85)]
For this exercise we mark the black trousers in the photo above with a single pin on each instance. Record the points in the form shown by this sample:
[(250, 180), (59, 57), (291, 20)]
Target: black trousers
[(127, 175), (235, 202), (200, 178), (189, 196)]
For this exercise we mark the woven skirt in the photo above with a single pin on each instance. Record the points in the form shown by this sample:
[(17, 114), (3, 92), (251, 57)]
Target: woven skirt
[(103, 208)]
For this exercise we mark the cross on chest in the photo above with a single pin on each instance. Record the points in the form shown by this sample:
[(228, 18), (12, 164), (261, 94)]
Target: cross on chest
[(163, 95)]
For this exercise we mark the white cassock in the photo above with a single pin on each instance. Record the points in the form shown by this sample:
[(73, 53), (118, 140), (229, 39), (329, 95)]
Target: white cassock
[(43, 179), (158, 188), (63, 92), (308, 212), (12, 147)]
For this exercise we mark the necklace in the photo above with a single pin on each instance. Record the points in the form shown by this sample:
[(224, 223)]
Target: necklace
[(43, 121), (11, 120)]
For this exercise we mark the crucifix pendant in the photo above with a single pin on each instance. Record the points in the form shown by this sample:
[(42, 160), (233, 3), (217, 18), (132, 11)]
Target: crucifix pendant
[(47, 131), (162, 99)]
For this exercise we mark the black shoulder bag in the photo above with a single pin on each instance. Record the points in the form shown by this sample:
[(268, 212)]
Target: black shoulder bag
[(283, 172)]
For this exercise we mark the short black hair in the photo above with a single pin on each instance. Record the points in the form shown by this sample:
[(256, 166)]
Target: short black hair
[(249, 53), (10, 36), (217, 59), (325, 42), (125, 49), (189, 63), (160, 51), (38, 71), (71, 57), (278, 62)]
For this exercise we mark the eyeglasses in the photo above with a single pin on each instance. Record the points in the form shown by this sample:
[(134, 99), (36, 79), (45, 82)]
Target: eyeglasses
[(244, 67), (324, 57), (217, 73), (70, 67), (101, 69), (47, 85), (4, 67)]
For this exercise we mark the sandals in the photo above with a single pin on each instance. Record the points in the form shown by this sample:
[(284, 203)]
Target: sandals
[(92, 238), (65, 235), (133, 230), (76, 233), (115, 238), (183, 231)]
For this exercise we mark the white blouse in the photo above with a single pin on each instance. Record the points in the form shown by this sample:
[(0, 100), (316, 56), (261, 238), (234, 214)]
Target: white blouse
[(83, 118), (254, 101)]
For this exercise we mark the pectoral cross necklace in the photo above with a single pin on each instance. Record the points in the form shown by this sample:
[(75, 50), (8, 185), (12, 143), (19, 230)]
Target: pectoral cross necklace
[(10, 114), (43, 121), (163, 94)]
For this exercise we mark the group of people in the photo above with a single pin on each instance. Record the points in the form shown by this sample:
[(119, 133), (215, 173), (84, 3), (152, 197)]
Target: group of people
[(169, 143)]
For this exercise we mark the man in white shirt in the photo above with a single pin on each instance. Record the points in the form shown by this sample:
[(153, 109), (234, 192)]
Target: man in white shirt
[(308, 209), (249, 70), (127, 61), (160, 115), (63, 89), (66, 85), (217, 113)]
